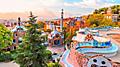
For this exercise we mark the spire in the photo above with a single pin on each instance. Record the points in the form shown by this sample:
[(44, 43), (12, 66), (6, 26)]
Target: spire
[(31, 15), (62, 14), (61, 20), (32, 18), (19, 20)]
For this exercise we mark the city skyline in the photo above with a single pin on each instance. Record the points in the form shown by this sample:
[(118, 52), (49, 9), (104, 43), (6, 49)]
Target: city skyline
[(51, 8)]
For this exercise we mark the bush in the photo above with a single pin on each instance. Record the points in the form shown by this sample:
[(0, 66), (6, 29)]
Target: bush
[(5, 56), (54, 64)]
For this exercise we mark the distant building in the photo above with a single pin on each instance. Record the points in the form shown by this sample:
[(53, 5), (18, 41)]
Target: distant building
[(49, 25), (110, 15), (8, 23), (55, 38), (18, 32), (115, 17)]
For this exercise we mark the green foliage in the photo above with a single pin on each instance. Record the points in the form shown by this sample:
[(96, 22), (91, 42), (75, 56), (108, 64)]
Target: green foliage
[(107, 22), (95, 19), (115, 9), (32, 52), (98, 20), (68, 38), (5, 56), (54, 64), (96, 11), (64, 28), (93, 26), (75, 34), (41, 24), (5, 37), (48, 30), (67, 34)]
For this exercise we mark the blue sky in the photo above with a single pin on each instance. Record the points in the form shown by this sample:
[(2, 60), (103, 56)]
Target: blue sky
[(52, 8), (110, 1), (82, 7), (70, 1)]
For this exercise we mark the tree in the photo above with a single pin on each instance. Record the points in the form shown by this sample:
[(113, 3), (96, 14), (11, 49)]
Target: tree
[(5, 41), (32, 52), (107, 22), (95, 19), (41, 24), (96, 11), (48, 30), (54, 65), (6, 37)]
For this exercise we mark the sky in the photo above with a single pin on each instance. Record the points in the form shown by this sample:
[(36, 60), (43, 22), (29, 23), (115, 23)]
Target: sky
[(48, 9)]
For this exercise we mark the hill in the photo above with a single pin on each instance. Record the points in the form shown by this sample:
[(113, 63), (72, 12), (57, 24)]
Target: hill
[(115, 10)]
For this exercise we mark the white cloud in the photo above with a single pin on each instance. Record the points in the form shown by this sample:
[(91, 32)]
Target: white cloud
[(41, 8), (85, 6), (25, 5), (82, 4), (90, 4), (51, 8)]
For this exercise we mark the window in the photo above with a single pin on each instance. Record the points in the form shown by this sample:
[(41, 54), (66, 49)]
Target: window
[(94, 60), (19, 41), (14, 40), (103, 62)]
